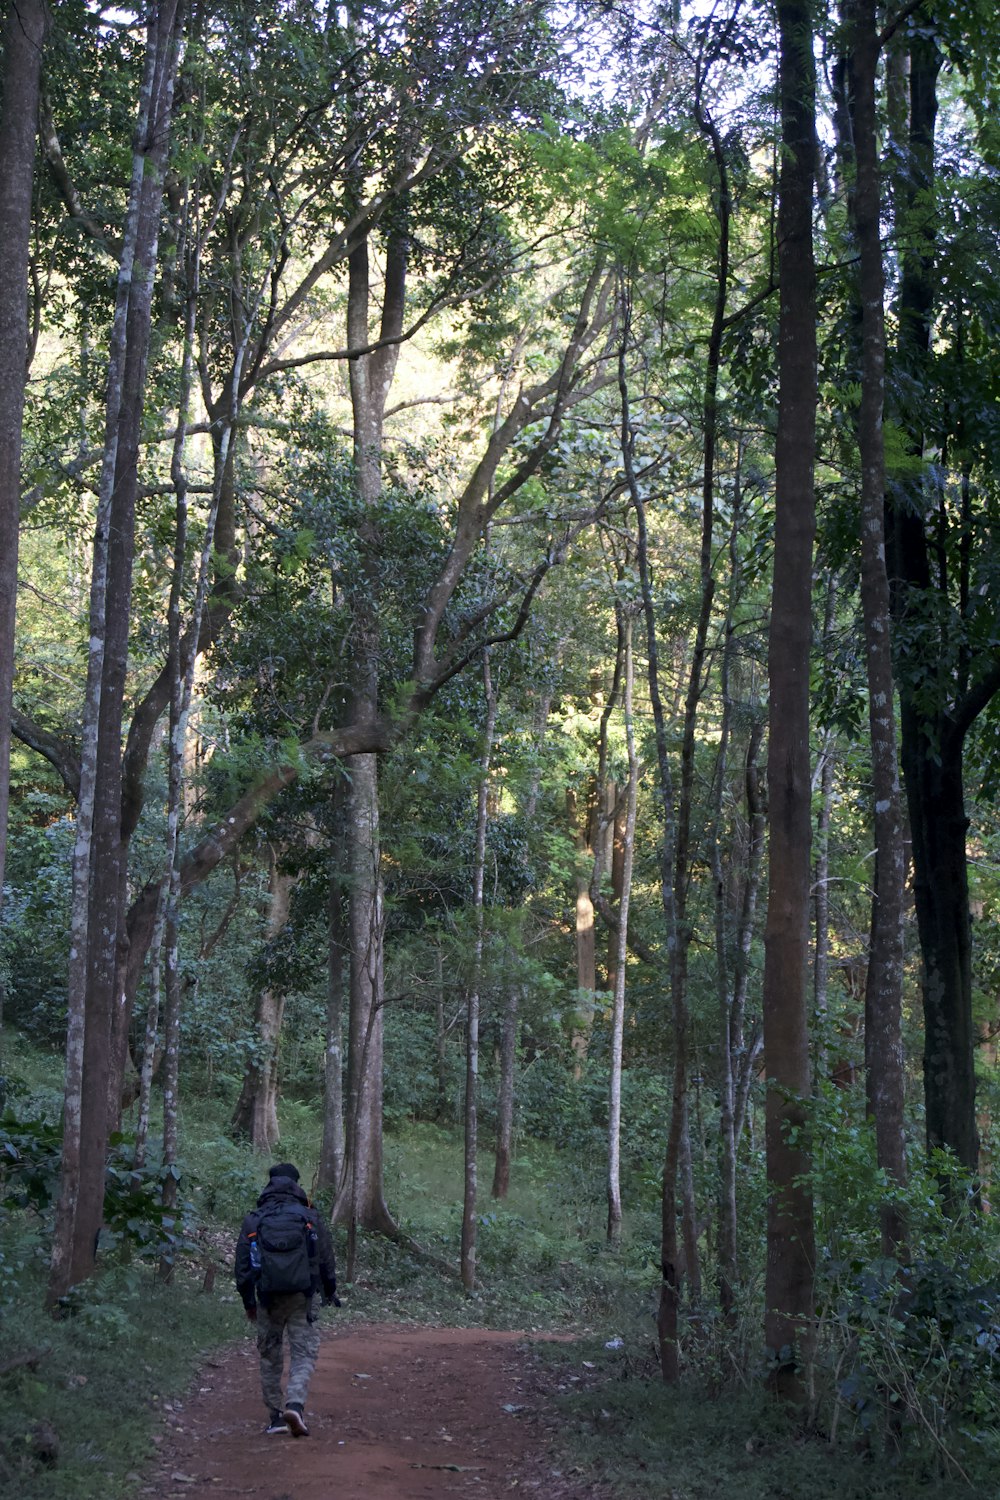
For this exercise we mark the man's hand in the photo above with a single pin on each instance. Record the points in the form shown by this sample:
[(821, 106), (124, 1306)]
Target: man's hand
[(251, 1313)]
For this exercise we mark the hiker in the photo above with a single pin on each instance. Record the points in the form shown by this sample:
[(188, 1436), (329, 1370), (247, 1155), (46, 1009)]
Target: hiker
[(284, 1256)]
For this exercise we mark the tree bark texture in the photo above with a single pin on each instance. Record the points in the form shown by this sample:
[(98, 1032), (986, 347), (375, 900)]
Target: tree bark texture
[(884, 1064), (735, 908), (505, 1095), (256, 1112), (790, 1231), (361, 1200), (586, 944), (24, 28), (934, 716), (98, 885), (821, 863), (331, 1163), (472, 1009), (668, 1310), (621, 957)]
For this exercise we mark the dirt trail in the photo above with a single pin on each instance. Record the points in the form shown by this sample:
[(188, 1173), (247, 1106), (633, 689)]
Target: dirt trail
[(394, 1414)]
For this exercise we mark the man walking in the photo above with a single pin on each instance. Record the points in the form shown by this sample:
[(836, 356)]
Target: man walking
[(284, 1257)]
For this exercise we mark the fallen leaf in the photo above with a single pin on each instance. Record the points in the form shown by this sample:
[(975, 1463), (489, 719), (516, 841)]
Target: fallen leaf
[(451, 1468)]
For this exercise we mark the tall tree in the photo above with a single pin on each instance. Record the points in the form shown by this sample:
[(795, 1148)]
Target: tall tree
[(948, 670), (618, 997), (24, 26), (790, 1232), (98, 883), (474, 993), (884, 985)]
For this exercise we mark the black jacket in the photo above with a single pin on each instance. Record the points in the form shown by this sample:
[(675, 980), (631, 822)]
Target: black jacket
[(278, 1191)]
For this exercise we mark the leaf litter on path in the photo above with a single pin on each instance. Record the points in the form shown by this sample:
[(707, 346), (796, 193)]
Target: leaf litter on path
[(377, 1434)]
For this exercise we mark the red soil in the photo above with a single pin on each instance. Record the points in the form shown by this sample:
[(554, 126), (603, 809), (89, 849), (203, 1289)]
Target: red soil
[(394, 1414)]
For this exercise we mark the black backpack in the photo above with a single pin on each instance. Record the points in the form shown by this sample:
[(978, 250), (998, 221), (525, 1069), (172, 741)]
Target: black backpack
[(283, 1250)]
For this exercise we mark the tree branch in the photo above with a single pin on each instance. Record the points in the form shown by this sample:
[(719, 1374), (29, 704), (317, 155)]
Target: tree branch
[(66, 188), (59, 752)]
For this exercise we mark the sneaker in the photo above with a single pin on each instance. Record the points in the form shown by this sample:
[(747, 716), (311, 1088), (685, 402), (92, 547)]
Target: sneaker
[(276, 1425), (292, 1415)]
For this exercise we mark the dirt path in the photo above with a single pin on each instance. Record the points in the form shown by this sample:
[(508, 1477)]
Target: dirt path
[(394, 1414)]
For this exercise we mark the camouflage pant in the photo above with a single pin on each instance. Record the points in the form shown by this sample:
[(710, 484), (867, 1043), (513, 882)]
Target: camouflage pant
[(291, 1313)]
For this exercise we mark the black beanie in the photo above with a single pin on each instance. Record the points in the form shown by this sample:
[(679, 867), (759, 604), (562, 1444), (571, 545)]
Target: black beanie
[(284, 1169)]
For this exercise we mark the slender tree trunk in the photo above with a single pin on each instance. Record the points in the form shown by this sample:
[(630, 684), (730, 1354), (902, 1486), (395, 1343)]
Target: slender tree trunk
[(667, 1316), (821, 866), (884, 989), (331, 1165), (468, 1249), (535, 780), (97, 880), (938, 825), (748, 1049), (256, 1112), (933, 735), (610, 816), (586, 944), (181, 689), (505, 1095), (728, 1217), (790, 1231), (681, 873), (361, 1201), (24, 28), (440, 1036), (621, 956), (151, 1031)]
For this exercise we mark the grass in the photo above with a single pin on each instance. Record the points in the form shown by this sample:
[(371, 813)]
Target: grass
[(623, 1427), (132, 1346), (544, 1266)]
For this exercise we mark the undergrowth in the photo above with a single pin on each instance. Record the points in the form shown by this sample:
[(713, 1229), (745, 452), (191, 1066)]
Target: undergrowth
[(78, 1424), (132, 1342), (622, 1427)]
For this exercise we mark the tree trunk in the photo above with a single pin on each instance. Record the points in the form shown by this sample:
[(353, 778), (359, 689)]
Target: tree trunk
[(256, 1112), (667, 1316), (468, 1247), (821, 865), (151, 1031), (535, 778), (938, 824), (97, 920), (886, 1084), (505, 1095), (617, 832), (361, 1199), (586, 947), (790, 1232), (24, 29), (732, 976), (443, 1111), (621, 956), (331, 1163), (933, 733)]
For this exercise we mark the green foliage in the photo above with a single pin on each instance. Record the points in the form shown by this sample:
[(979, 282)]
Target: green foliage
[(34, 947), (919, 1347), (135, 1220), (626, 1430), (129, 1349)]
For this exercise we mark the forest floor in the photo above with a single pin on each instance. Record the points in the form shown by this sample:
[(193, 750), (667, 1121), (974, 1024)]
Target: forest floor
[(395, 1413)]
